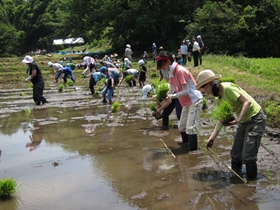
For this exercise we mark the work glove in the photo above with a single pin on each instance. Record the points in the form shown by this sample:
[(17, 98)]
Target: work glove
[(28, 78)]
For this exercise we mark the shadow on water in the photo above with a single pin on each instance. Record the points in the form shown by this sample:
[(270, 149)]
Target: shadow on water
[(75, 153)]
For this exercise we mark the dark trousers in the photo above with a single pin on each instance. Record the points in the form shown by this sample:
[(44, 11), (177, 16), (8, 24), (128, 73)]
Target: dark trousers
[(184, 57), (168, 110), (92, 83), (195, 58), (200, 58), (38, 89)]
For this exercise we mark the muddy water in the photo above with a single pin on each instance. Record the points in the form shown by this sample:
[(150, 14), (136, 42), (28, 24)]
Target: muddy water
[(74, 153)]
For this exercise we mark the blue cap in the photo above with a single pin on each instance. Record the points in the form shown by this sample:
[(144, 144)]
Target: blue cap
[(103, 69)]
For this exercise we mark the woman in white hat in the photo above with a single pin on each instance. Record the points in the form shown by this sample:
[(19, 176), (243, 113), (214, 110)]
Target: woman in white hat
[(250, 119), (35, 76), (184, 85)]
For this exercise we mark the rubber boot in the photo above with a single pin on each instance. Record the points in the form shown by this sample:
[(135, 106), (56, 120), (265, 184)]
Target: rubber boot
[(185, 138), (236, 166), (193, 142), (165, 121), (251, 170)]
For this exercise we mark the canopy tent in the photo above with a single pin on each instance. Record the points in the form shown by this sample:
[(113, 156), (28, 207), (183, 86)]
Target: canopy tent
[(78, 40)]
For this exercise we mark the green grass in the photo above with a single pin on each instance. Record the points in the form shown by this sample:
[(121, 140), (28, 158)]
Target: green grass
[(8, 187)]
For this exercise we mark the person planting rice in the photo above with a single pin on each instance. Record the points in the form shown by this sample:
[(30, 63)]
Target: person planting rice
[(35, 76), (250, 119), (184, 85)]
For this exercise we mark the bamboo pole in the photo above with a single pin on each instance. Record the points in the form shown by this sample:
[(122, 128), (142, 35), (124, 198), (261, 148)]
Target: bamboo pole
[(226, 165), (167, 148)]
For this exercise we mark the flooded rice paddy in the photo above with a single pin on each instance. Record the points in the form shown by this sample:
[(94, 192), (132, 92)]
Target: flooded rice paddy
[(75, 153)]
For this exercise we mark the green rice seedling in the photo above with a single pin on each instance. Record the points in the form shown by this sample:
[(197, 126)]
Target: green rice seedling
[(27, 111), (128, 78), (103, 80), (116, 106), (8, 187), (204, 100), (153, 75), (61, 87), (100, 88), (31, 85), (69, 83), (223, 112), (153, 107), (161, 91)]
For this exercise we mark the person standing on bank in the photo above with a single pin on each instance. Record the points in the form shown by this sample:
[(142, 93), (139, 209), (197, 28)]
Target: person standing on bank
[(183, 52), (35, 76), (201, 45), (250, 119), (154, 51), (184, 85), (189, 54), (195, 52)]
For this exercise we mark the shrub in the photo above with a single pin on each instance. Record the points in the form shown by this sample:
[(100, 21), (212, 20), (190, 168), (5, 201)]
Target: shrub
[(272, 111), (8, 187)]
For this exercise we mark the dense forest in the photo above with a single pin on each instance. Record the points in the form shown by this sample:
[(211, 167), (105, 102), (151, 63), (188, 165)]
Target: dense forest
[(247, 27)]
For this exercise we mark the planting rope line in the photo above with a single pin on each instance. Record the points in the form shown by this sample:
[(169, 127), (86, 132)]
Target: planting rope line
[(226, 165), (167, 148)]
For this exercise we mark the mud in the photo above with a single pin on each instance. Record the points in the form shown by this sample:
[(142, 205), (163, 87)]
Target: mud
[(75, 153)]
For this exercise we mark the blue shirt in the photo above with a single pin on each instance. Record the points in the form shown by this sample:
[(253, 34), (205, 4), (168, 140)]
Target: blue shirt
[(97, 76)]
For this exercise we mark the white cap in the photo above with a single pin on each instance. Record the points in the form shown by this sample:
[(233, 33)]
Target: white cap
[(126, 59), (27, 59), (145, 90), (128, 46), (141, 62), (199, 37), (49, 63)]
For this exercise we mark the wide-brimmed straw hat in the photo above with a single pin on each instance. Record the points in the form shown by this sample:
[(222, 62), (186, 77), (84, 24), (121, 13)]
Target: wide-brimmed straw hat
[(206, 76)]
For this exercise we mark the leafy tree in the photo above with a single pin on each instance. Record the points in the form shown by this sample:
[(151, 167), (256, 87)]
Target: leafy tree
[(8, 36)]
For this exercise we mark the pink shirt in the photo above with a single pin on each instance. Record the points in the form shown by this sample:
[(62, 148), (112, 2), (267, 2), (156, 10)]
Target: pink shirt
[(181, 76)]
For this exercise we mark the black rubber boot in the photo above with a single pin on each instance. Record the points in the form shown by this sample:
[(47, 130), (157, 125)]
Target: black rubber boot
[(236, 166), (165, 121), (184, 136), (251, 170), (193, 142)]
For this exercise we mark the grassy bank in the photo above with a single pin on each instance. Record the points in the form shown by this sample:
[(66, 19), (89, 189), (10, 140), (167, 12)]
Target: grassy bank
[(259, 77)]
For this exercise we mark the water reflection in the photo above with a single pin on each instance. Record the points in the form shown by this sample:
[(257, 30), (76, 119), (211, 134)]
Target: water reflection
[(116, 161)]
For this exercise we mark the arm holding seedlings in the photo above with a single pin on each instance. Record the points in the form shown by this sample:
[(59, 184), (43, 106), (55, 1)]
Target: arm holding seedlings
[(185, 91), (161, 107)]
